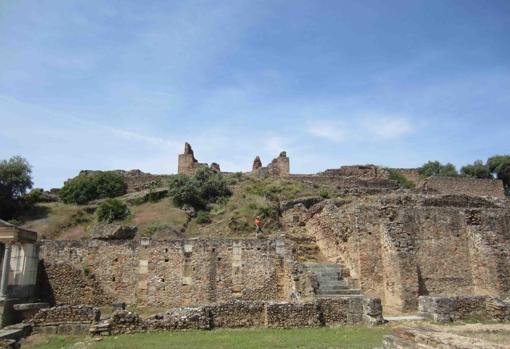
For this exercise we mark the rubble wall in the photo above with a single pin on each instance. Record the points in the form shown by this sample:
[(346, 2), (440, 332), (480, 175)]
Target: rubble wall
[(464, 185), (402, 246), (169, 273)]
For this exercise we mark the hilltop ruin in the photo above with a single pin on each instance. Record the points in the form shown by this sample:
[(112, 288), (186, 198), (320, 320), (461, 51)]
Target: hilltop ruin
[(373, 244)]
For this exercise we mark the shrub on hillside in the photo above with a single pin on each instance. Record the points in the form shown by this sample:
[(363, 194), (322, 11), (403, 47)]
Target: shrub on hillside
[(203, 217), (84, 188), (402, 180), (205, 187), (435, 168), (112, 210)]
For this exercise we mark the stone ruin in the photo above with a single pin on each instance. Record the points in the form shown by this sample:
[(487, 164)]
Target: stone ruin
[(442, 248), (278, 167), (188, 165)]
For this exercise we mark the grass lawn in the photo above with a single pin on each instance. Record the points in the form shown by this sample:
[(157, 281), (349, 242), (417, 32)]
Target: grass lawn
[(317, 338)]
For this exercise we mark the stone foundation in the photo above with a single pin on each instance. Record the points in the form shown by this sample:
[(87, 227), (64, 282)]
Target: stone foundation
[(245, 314), (446, 309)]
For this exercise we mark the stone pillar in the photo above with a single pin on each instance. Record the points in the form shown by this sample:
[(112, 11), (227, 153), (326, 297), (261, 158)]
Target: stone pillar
[(4, 282)]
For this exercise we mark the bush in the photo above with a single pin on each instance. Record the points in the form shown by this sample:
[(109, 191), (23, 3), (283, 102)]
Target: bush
[(98, 185), (435, 168), (203, 217), (402, 180), (205, 187), (15, 179), (111, 210), (324, 194)]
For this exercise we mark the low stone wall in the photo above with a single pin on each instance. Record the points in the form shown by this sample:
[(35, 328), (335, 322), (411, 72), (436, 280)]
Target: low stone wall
[(446, 309), (285, 315), (245, 314), (65, 319), (238, 314)]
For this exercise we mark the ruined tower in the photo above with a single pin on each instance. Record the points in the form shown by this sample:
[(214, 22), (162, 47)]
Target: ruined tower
[(187, 163), (256, 164)]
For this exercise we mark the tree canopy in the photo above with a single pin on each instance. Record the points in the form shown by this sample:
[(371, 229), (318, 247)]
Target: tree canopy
[(435, 168), (15, 180)]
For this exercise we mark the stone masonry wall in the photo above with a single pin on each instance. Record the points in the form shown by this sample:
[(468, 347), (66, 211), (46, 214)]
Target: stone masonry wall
[(65, 319), (245, 314), (402, 246), (165, 273), (463, 185)]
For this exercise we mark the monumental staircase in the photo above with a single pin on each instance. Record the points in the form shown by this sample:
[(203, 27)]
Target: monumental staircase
[(332, 281)]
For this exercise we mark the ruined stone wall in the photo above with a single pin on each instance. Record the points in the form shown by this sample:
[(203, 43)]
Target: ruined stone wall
[(463, 185), (165, 273), (404, 246), (136, 180), (351, 185), (242, 314), (411, 174), (360, 171)]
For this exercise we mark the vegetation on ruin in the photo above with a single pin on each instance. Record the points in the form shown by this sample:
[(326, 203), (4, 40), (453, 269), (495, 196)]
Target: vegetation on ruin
[(112, 210), (84, 188), (435, 168), (402, 180), (198, 191), (359, 337)]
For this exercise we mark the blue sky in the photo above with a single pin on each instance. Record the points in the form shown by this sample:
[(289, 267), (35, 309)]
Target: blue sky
[(98, 84)]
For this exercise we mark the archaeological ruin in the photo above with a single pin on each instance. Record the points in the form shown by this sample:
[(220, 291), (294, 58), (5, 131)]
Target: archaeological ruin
[(441, 249)]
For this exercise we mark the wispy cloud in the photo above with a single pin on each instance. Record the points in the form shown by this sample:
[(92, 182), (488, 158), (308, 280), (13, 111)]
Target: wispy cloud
[(363, 127)]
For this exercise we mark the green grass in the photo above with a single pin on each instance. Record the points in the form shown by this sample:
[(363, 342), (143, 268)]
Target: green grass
[(317, 338)]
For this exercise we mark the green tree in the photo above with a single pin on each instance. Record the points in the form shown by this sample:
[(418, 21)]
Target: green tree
[(98, 185), (478, 170), (15, 179), (499, 165), (111, 210), (205, 187), (435, 168)]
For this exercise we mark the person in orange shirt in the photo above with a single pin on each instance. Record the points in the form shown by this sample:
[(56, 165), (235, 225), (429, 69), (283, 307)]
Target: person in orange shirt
[(258, 225)]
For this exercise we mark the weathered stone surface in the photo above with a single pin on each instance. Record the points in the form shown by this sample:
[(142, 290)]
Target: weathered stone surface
[(257, 163), (402, 246), (113, 232), (65, 319), (445, 309), (307, 202), (215, 167), (171, 273), (464, 185), (425, 338), (278, 167), (238, 314), (285, 315)]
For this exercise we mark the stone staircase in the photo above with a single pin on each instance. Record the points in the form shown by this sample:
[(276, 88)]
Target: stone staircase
[(331, 282)]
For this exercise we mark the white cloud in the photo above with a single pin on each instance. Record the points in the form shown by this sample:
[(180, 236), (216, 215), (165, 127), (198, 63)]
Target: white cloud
[(328, 130), (362, 127), (388, 127)]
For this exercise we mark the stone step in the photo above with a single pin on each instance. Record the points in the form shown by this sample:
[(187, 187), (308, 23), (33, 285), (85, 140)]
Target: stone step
[(333, 288), (333, 282), (348, 291)]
